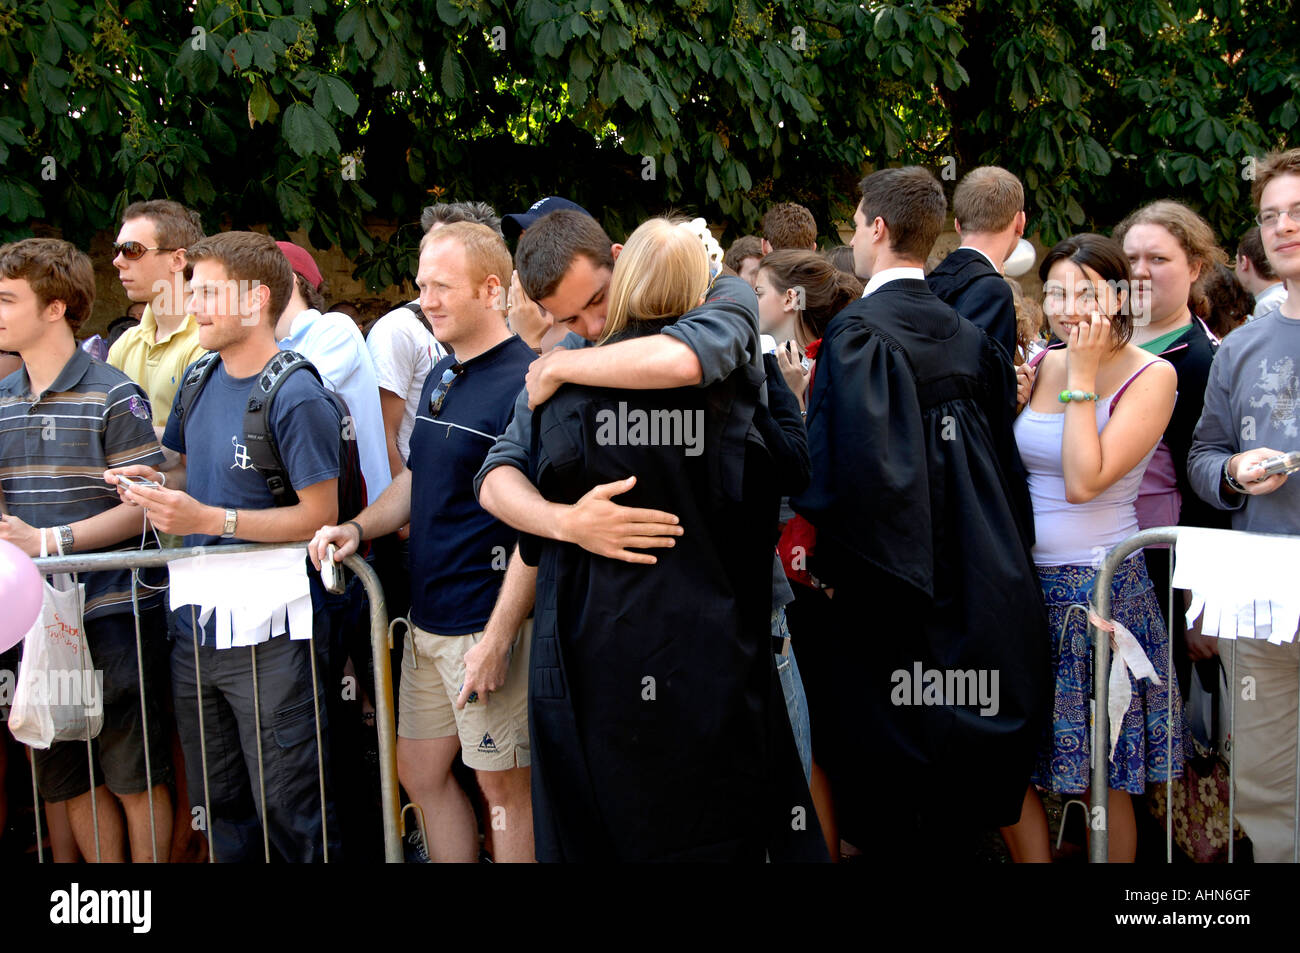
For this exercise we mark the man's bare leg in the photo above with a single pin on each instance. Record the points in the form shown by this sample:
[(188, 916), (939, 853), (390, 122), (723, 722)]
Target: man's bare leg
[(424, 769), (137, 823), (510, 814), (112, 832)]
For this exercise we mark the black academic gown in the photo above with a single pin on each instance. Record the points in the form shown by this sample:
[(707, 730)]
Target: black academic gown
[(923, 530), (657, 723), (978, 292)]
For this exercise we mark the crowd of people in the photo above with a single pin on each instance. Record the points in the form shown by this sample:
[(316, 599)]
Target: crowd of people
[(612, 487)]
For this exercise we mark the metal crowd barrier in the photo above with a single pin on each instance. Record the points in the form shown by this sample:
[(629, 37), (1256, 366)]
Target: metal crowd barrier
[(384, 718), (1101, 605)]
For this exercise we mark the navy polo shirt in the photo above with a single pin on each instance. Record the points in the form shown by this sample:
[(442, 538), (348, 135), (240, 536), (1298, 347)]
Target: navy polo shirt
[(458, 550)]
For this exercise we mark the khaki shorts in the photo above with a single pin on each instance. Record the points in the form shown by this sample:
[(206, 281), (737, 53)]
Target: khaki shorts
[(493, 731)]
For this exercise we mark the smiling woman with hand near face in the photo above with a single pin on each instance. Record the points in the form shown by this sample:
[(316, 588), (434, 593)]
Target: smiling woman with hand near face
[(1086, 451)]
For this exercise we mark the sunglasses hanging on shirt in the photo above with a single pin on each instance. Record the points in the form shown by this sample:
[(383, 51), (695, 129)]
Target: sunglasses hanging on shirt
[(440, 392)]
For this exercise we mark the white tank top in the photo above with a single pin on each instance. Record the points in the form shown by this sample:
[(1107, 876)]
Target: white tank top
[(1074, 534)]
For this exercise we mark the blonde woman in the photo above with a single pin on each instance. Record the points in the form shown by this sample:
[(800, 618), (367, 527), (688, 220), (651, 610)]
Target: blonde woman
[(658, 726)]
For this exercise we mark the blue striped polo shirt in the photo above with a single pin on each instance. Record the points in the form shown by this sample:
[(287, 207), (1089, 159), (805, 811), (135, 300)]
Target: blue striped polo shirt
[(54, 449)]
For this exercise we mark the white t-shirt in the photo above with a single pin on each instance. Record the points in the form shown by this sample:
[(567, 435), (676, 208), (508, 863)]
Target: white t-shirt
[(404, 352), (333, 343)]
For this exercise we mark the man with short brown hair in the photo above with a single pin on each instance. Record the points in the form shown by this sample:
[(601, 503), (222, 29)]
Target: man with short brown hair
[(149, 255), (1257, 275), (915, 403), (1250, 416), (789, 225), (64, 418), (215, 496), (988, 214)]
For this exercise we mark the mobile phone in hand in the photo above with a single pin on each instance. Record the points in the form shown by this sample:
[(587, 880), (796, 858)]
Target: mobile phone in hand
[(1282, 463), (331, 573), (131, 480)]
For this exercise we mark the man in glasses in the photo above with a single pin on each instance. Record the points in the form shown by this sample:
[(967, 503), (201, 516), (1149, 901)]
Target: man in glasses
[(458, 554), (1250, 415), (149, 256)]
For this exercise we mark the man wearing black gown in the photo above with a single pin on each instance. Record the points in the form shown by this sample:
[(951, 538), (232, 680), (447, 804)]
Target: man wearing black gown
[(923, 536)]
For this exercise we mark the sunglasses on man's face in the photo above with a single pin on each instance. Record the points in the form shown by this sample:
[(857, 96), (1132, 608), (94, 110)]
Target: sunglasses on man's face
[(134, 251), (440, 392)]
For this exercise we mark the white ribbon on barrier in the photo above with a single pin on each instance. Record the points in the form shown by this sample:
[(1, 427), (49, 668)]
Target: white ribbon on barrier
[(1126, 657), (1243, 584), (254, 595)]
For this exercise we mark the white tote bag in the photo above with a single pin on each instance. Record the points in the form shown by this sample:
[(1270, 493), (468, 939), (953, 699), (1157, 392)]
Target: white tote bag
[(59, 695)]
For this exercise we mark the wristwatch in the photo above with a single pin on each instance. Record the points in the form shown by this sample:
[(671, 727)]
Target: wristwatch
[(1229, 479), (65, 538), (228, 530)]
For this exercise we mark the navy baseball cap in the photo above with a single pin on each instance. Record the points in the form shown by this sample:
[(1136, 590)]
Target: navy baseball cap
[(514, 223)]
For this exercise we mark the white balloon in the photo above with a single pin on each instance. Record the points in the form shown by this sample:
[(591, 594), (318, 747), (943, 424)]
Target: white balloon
[(1020, 260)]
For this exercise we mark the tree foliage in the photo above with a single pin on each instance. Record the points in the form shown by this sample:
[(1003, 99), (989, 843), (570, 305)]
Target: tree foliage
[(328, 114)]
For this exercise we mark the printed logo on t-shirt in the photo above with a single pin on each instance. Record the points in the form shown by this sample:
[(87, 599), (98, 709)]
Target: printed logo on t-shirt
[(487, 744), (1281, 393), (242, 460)]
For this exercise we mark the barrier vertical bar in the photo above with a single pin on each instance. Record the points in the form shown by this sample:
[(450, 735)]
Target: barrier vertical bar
[(1232, 755), (36, 801), (384, 721), (1098, 844), (1169, 724), (1295, 825), (261, 770), (144, 715), (203, 740), (320, 750)]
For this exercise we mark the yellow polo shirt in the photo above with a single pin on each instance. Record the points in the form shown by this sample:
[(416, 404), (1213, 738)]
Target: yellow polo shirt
[(158, 367)]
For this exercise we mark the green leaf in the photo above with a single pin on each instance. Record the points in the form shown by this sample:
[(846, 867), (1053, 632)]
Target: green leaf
[(453, 79), (1285, 115), (51, 45), (241, 48), (293, 204), (883, 26), (449, 13), (1204, 138), (711, 185), (307, 133), (580, 65), (260, 102), (345, 100)]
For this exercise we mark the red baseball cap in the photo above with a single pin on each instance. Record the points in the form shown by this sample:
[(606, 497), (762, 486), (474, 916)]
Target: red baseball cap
[(302, 262)]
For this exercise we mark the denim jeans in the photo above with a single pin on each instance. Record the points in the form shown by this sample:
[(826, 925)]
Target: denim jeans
[(796, 702)]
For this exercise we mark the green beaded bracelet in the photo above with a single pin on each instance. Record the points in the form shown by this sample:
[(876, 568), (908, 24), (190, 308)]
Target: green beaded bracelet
[(1068, 395)]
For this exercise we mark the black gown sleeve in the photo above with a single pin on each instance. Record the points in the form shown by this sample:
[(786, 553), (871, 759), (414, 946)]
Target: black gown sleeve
[(780, 424)]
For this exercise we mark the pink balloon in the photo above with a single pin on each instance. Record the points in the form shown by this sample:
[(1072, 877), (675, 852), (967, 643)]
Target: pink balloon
[(21, 594)]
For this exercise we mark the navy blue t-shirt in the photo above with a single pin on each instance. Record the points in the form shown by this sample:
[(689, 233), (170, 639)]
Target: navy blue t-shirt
[(459, 550), (304, 423)]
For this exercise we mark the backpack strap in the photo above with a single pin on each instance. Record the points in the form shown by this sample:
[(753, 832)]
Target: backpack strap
[(415, 309), (262, 451), (196, 377)]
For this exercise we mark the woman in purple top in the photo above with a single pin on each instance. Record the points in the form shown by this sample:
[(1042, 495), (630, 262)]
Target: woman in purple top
[(1086, 451)]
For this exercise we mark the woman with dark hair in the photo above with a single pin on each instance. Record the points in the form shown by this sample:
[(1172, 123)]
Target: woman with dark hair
[(1086, 449), (659, 731), (798, 294), (1221, 301)]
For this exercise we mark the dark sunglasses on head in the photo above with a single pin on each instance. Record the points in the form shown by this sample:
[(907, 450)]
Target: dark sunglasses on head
[(440, 392), (134, 251)]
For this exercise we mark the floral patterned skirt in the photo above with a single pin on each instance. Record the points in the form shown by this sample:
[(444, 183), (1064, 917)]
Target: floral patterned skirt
[(1147, 749)]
